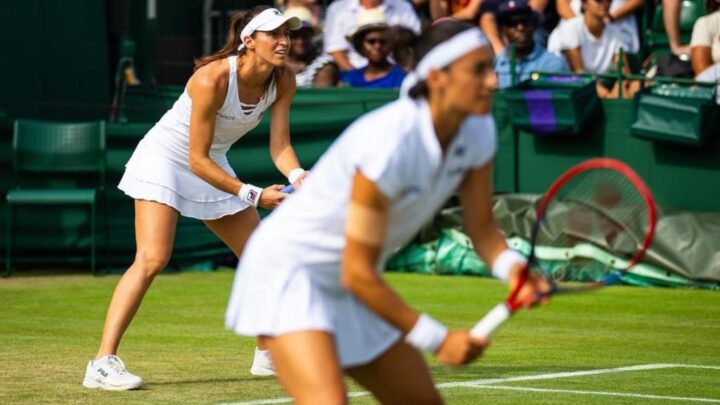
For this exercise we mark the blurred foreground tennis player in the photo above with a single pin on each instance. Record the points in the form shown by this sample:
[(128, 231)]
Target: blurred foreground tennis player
[(309, 283), (180, 168)]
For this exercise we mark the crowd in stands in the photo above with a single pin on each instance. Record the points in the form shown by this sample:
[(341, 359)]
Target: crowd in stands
[(366, 43)]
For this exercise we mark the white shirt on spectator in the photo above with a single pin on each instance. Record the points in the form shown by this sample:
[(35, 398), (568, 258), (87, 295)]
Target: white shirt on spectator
[(706, 32), (341, 18), (597, 53), (628, 25)]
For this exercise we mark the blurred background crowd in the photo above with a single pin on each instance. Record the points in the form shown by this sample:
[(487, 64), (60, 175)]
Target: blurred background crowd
[(366, 43)]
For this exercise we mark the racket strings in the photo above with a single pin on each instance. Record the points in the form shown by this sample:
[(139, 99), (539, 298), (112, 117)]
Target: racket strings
[(600, 207)]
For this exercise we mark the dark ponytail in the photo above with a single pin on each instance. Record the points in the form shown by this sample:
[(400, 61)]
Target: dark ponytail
[(237, 22), (436, 34)]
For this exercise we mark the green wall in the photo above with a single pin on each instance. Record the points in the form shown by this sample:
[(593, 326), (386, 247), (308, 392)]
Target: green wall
[(53, 62), (681, 177)]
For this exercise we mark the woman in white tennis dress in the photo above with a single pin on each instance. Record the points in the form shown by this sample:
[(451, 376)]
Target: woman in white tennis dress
[(309, 283), (180, 168)]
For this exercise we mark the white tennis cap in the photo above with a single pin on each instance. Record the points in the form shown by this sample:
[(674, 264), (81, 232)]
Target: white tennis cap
[(268, 20)]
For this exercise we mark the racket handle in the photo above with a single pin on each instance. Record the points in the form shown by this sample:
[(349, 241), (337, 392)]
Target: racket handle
[(496, 317), (289, 189)]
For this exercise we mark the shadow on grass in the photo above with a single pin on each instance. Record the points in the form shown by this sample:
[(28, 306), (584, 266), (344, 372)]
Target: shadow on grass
[(209, 381)]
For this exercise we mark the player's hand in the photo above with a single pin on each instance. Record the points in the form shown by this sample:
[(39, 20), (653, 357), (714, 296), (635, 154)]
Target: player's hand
[(271, 196), (460, 348), (535, 290), (298, 183)]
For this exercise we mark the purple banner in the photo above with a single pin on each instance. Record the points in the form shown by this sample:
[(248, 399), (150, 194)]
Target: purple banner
[(541, 111)]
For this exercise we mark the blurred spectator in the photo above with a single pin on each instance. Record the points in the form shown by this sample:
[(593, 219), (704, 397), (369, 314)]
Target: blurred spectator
[(705, 42), (315, 9), (517, 22), (588, 43), (671, 20), (620, 15), (548, 19), (465, 10), (477, 12), (592, 45), (311, 68), (422, 9), (711, 74), (483, 14), (371, 40), (340, 21)]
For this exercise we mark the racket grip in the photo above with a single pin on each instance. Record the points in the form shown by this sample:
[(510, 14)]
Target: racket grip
[(289, 189), (496, 317)]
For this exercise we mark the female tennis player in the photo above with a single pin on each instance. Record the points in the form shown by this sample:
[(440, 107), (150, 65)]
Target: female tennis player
[(309, 282), (180, 168)]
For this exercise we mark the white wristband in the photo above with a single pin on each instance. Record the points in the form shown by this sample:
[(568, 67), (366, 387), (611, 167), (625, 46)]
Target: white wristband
[(504, 262), (294, 174), (250, 194), (427, 334)]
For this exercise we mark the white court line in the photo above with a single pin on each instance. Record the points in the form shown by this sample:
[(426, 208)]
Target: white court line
[(486, 382), (605, 393), (572, 374)]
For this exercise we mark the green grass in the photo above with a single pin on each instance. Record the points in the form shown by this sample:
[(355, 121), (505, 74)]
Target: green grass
[(50, 327)]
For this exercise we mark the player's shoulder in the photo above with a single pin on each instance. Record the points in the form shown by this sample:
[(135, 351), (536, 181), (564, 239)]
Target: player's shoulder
[(211, 77), (398, 117)]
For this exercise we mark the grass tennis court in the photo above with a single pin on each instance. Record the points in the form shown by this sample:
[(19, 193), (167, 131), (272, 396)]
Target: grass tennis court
[(623, 344)]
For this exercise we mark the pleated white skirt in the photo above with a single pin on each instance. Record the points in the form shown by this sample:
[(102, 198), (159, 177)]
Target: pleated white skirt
[(151, 175)]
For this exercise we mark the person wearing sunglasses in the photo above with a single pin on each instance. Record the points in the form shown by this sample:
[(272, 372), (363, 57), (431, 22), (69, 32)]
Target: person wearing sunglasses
[(517, 23), (371, 40), (312, 69)]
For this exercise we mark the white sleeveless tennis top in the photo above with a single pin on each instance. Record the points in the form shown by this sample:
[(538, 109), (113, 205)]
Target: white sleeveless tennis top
[(395, 147), (159, 171)]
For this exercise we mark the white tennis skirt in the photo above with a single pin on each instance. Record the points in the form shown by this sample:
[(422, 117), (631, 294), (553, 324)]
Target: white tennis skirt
[(151, 176), (273, 295)]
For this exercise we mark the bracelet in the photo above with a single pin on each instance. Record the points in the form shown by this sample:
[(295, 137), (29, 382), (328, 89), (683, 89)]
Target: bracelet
[(504, 262), (294, 174), (427, 334), (250, 194)]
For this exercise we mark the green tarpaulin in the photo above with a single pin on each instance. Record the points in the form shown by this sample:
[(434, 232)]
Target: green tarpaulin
[(685, 251)]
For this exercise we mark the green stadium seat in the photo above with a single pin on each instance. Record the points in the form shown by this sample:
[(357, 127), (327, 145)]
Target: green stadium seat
[(656, 38), (56, 164)]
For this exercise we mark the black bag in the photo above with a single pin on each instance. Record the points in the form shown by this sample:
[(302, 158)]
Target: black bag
[(669, 65)]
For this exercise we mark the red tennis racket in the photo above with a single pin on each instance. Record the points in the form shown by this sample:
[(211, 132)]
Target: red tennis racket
[(597, 205)]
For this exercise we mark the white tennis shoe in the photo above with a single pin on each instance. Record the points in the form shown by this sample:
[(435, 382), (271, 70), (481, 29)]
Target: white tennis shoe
[(109, 373), (262, 363)]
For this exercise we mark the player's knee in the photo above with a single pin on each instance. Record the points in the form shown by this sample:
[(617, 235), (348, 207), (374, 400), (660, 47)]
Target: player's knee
[(151, 262)]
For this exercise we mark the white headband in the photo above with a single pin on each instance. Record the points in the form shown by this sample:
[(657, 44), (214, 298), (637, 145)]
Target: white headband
[(447, 52), (443, 55), (268, 20)]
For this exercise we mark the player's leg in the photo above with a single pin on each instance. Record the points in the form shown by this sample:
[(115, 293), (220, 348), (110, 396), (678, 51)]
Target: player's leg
[(398, 376), (234, 230), (155, 226), (308, 367)]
